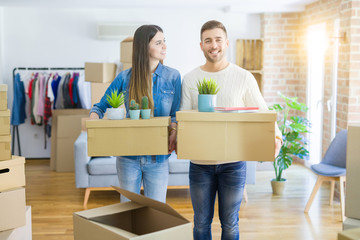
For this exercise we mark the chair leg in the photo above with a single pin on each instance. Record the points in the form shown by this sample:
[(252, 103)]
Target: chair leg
[(245, 196), (313, 194), (342, 180), (332, 189), (86, 198)]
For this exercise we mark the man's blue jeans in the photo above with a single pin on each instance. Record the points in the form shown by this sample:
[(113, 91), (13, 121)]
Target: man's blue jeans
[(228, 181), (153, 175)]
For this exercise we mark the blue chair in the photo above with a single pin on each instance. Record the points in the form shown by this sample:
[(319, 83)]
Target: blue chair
[(332, 168)]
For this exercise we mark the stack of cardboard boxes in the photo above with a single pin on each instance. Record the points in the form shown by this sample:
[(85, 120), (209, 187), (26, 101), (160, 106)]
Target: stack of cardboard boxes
[(100, 75), (14, 213), (351, 224)]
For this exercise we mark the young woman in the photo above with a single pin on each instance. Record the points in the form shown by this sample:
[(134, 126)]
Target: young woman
[(162, 84)]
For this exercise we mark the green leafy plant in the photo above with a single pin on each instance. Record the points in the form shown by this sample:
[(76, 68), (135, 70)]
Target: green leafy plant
[(115, 100), (144, 102), (133, 105), (293, 129), (207, 86)]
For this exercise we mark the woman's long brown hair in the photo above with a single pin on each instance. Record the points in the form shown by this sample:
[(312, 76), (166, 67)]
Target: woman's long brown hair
[(141, 77)]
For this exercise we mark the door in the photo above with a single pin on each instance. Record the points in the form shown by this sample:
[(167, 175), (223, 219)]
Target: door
[(316, 44)]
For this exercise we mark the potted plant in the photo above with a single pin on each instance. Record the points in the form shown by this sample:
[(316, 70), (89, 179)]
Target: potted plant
[(115, 100), (207, 88), (134, 110), (293, 129), (145, 111)]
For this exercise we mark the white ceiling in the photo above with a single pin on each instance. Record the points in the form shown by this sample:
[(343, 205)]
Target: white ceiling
[(241, 6)]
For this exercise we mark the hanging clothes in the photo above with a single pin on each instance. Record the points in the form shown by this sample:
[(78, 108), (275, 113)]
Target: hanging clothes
[(35, 102), (66, 93), (55, 85), (18, 113), (40, 105)]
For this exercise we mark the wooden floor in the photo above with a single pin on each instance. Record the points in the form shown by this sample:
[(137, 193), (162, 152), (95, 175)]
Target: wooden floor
[(53, 198)]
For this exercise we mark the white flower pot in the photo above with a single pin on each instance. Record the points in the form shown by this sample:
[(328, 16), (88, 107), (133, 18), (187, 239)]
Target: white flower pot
[(115, 113)]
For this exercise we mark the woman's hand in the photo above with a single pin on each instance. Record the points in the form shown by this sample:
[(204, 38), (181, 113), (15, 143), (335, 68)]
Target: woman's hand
[(94, 116)]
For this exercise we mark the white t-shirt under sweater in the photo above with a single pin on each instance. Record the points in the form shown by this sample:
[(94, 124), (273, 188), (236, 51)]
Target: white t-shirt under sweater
[(238, 88)]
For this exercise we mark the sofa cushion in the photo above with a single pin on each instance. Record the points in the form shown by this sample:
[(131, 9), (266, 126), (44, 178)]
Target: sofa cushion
[(102, 166), (178, 166)]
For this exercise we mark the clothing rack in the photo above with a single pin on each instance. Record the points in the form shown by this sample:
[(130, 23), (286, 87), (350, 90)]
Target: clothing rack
[(15, 128)]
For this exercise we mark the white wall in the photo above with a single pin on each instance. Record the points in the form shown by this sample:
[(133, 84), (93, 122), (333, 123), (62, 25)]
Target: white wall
[(67, 38)]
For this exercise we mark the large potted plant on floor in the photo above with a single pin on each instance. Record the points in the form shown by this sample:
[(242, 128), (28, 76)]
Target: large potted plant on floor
[(294, 129), (115, 100), (207, 88)]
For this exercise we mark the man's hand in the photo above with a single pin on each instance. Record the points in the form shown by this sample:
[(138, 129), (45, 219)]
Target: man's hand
[(278, 144), (94, 116)]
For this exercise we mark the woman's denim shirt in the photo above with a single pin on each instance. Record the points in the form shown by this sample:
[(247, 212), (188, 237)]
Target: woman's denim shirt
[(166, 94)]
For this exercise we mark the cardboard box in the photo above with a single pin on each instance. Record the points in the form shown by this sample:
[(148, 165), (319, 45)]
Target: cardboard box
[(5, 149), (76, 128), (98, 91), (211, 136), (351, 234), (68, 130), (12, 208), (142, 219), (350, 223), (128, 137), (20, 233), (5, 122), (352, 199), (12, 173), (3, 96), (100, 72), (126, 65), (126, 47)]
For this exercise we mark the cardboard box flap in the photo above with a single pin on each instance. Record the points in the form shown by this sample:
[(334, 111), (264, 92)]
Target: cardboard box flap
[(195, 116), (3, 87), (5, 138), (5, 113), (152, 122), (110, 209), (14, 161), (140, 199)]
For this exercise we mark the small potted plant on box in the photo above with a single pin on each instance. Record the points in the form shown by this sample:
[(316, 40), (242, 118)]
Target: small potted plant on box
[(207, 88), (293, 130), (115, 100), (145, 111), (134, 110)]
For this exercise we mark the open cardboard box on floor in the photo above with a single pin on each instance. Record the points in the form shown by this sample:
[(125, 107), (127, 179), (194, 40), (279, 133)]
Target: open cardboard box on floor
[(211, 136), (128, 137), (142, 218)]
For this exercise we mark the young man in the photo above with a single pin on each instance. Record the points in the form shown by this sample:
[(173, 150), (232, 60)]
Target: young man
[(238, 88)]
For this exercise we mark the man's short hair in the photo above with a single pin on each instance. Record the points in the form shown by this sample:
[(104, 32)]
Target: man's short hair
[(212, 24)]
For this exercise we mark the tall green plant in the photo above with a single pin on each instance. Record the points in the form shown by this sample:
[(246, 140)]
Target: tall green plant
[(293, 129), (114, 99), (207, 86)]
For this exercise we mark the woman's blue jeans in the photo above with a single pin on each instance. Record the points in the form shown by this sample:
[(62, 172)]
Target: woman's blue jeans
[(152, 174), (228, 181)]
